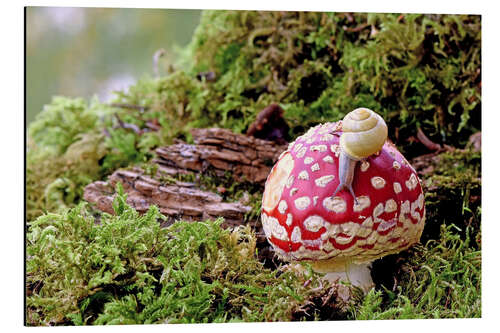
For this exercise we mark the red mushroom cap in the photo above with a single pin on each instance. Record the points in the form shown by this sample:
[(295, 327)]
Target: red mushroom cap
[(302, 221)]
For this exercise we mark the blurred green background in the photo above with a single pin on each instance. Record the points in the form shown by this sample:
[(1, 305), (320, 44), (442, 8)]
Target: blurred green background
[(83, 52)]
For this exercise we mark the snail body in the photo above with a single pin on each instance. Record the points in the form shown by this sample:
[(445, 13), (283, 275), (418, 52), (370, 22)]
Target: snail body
[(364, 134)]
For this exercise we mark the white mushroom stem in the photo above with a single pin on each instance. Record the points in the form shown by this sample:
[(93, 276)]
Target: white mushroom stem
[(357, 274)]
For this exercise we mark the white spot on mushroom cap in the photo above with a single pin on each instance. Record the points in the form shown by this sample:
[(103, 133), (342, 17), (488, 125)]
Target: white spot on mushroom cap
[(405, 209), (296, 236), (315, 200), (293, 191), (370, 240), (367, 223), (378, 182), (276, 182), (363, 203), (421, 201), (412, 182), (335, 148), (301, 152), (312, 242), (413, 211), (396, 165), (320, 148), (324, 128), (289, 181), (386, 225), (378, 210), (282, 206), (397, 187), (350, 228), (335, 204), (265, 225), (302, 203), (327, 137), (390, 206), (327, 246), (314, 223), (366, 227), (303, 175), (322, 181), (343, 240), (315, 167), (364, 165), (328, 159), (297, 147), (308, 160), (289, 219), (277, 230)]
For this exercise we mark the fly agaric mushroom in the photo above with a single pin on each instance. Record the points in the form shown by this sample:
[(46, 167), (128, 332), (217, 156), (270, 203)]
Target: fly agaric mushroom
[(338, 205)]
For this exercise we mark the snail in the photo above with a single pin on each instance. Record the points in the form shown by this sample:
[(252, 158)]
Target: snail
[(364, 134)]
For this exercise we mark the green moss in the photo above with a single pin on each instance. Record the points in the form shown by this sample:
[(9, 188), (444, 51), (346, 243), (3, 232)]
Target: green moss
[(128, 270), (64, 152), (452, 187), (57, 181), (416, 70), (439, 280)]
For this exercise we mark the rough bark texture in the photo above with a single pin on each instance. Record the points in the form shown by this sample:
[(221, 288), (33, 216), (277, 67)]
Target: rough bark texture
[(246, 157), (178, 200), (218, 150)]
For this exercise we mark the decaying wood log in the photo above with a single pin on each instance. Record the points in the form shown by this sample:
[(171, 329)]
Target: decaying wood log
[(176, 200), (247, 158), (219, 150)]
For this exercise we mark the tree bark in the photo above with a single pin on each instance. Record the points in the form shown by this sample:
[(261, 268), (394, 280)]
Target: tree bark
[(247, 158), (218, 150)]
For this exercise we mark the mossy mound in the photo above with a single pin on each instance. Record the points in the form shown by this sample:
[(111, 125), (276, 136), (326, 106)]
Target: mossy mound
[(452, 187), (128, 270), (418, 71)]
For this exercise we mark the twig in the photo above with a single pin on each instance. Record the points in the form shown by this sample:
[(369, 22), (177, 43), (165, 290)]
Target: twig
[(156, 57), (133, 127), (426, 141), (129, 106), (356, 29)]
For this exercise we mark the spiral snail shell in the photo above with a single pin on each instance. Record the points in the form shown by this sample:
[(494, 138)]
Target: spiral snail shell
[(364, 134)]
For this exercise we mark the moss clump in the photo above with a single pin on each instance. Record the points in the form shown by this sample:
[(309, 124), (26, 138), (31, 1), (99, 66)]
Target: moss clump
[(417, 70), (64, 153), (439, 280), (70, 144), (128, 270), (452, 187)]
